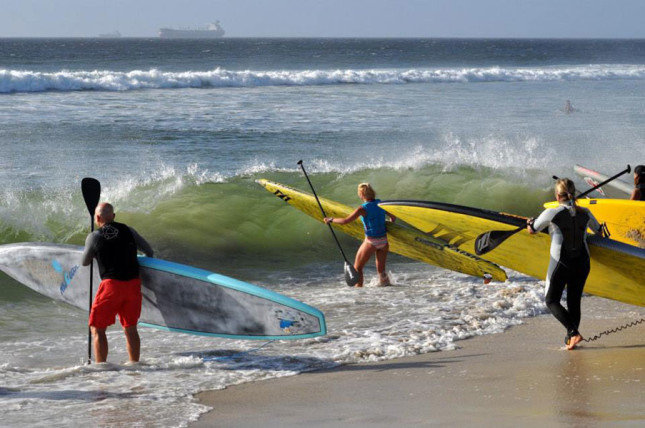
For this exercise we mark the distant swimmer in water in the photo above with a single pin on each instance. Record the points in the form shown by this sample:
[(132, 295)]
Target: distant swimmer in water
[(569, 265), (568, 108), (373, 218), (638, 194)]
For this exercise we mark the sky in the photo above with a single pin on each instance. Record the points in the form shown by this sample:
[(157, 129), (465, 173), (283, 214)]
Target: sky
[(329, 18)]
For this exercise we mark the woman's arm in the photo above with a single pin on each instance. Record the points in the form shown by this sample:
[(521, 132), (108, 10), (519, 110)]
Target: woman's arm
[(542, 221), (595, 225), (350, 218)]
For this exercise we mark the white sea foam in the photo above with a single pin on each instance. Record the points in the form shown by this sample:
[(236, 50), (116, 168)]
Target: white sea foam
[(105, 80), (426, 311)]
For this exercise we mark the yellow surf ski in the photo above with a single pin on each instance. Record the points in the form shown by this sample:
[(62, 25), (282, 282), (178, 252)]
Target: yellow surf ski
[(617, 269), (404, 241), (625, 219)]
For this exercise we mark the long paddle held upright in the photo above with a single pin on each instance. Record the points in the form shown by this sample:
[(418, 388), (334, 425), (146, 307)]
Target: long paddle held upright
[(488, 241), (351, 276), (91, 189)]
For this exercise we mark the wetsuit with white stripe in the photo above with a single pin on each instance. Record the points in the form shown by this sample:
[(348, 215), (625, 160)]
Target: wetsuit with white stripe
[(569, 265)]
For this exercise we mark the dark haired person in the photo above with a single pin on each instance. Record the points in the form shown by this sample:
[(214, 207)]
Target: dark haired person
[(638, 194)]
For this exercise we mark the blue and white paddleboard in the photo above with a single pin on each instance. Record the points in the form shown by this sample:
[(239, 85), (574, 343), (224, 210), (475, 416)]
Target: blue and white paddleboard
[(175, 297)]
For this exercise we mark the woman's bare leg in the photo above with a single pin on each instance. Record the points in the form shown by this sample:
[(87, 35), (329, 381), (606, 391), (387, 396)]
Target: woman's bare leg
[(362, 256)]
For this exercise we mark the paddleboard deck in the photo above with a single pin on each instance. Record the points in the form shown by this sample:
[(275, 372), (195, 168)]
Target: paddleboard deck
[(615, 189), (404, 241), (625, 219), (176, 297), (617, 269)]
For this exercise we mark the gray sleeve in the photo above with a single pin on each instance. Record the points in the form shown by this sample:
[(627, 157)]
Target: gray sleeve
[(142, 244), (544, 219), (90, 249)]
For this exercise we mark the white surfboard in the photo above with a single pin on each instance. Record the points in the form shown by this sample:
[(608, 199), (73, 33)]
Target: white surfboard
[(176, 297)]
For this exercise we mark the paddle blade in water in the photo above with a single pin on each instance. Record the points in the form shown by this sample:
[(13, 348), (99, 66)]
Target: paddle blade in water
[(351, 276)]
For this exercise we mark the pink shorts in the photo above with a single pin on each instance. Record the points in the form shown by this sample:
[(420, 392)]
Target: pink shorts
[(378, 243), (122, 298)]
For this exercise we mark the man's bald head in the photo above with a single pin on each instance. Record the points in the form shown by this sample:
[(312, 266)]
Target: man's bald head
[(104, 213)]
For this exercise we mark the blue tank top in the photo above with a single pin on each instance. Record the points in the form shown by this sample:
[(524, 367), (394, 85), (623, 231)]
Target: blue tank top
[(374, 221)]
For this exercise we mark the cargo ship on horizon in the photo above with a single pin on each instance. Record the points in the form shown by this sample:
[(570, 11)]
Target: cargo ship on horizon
[(212, 31)]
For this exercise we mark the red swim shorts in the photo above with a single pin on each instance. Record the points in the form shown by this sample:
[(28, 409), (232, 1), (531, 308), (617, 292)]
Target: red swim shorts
[(122, 298)]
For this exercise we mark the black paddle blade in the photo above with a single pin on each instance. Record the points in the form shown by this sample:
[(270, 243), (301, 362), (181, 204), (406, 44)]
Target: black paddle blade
[(91, 189), (351, 276), (488, 241)]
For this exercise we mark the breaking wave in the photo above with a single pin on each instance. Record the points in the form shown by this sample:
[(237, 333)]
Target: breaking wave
[(18, 81)]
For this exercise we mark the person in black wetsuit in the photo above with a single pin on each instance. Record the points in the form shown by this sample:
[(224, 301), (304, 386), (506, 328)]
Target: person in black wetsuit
[(114, 245), (569, 265), (638, 194)]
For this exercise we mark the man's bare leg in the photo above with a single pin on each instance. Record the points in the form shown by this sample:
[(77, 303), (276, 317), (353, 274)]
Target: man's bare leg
[(100, 344), (133, 342)]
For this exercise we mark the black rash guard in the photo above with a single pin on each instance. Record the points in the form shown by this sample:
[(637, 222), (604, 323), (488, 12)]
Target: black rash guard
[(115, 247)]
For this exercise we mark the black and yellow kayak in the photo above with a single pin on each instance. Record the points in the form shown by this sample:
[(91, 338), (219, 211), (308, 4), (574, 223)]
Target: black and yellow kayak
[(617, 269), (403, 240)]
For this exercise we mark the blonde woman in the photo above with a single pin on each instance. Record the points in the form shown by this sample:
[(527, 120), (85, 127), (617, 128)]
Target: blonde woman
[(373, 218), (569, 264)]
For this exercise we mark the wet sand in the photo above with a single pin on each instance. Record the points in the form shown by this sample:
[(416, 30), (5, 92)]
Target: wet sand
[(523, 377)]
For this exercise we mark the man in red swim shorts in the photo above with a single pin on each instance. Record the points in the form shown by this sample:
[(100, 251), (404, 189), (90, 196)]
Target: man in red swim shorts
[(114, 245)]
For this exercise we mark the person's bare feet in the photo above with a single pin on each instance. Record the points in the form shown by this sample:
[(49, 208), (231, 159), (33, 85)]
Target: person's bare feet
[(384, 280), (573, 341)]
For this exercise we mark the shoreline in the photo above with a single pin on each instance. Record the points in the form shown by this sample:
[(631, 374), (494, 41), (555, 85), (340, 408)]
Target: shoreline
[(523, 376)]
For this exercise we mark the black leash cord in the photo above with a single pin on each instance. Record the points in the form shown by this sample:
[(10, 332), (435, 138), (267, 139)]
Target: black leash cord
[(614, 330)]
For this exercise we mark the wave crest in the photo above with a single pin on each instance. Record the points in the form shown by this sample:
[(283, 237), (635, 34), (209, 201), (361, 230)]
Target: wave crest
[(12, 81)]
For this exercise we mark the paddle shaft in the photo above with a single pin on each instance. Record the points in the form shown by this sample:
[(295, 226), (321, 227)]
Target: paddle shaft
[(91, 189), (583, 194), (625, 171), (89, 305), (484, 243), (322, 210)]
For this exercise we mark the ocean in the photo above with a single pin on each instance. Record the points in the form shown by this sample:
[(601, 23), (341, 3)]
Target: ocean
[(177, 132)]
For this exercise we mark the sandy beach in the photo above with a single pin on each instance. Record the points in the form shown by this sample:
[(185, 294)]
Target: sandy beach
[(523, 377)]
